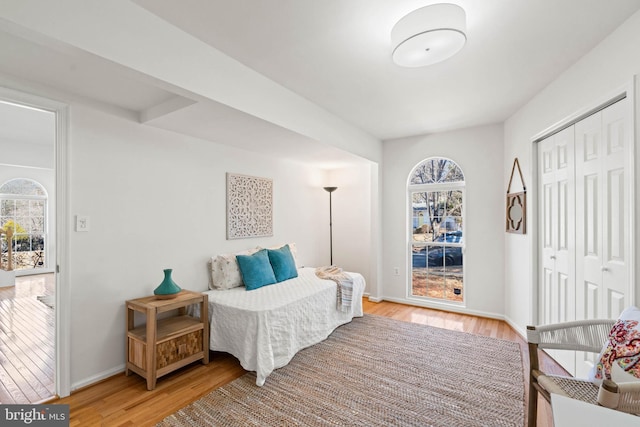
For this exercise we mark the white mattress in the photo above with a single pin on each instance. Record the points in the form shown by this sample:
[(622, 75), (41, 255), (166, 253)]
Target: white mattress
[(266, 327)]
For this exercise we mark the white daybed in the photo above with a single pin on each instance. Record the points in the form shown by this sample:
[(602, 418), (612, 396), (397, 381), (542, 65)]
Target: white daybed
[(264, 328)]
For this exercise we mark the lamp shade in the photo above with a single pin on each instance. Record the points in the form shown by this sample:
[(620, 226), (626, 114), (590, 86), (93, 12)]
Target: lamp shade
[(428, 35)]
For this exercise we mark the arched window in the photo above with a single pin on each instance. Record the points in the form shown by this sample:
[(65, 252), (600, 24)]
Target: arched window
[(23, 207), (436, 225)]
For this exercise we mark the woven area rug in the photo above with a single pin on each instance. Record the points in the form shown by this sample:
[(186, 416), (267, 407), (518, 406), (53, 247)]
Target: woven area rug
[(377, 371)]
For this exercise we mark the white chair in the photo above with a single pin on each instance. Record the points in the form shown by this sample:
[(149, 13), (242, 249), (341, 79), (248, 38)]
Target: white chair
[(583, 335)]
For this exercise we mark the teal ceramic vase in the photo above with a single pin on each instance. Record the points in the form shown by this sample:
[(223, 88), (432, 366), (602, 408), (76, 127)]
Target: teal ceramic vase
[(168, 288)]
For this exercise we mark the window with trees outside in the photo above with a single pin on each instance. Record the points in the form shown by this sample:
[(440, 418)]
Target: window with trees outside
[(436, 246), (23, 204)]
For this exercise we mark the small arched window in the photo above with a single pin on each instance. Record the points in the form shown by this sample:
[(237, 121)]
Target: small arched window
[(436, 248), (23, 207)]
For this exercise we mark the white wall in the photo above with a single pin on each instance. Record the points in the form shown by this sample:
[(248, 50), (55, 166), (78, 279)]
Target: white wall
[(25, 154), (478, 151), (43, 176), (156, 200), (352, 240), (599, 74)]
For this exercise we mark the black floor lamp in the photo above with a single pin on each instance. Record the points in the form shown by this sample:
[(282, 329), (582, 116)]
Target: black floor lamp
[(330, 190)]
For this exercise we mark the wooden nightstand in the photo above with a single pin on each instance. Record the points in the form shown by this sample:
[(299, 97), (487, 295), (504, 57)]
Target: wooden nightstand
[(163, 345)]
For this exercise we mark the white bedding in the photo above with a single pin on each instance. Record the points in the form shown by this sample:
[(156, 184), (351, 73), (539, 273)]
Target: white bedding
[(266, 327)]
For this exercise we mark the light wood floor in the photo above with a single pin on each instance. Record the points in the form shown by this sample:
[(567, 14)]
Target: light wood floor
[(26, 341), (125, 401)]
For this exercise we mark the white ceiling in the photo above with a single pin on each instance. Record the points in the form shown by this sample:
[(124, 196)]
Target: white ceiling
[(51, 65), (337, 54), (75, 72)]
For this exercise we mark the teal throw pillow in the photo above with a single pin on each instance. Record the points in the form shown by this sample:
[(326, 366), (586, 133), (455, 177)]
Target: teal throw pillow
[(284, 266), (256, 270)]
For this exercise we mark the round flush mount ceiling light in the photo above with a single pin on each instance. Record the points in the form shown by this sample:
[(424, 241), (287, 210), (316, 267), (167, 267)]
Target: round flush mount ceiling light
[(428, 35)]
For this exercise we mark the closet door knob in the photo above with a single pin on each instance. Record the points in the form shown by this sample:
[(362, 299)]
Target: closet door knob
[(552, 257), (603, 268)]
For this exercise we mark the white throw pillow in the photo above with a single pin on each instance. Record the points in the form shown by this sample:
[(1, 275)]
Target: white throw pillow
[(622, 348), (225, 273)]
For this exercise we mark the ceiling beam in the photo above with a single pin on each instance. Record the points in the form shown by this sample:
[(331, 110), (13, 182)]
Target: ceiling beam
[(127, 34)]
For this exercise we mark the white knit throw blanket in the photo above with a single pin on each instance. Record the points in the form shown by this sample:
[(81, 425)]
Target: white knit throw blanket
[(344, 294)]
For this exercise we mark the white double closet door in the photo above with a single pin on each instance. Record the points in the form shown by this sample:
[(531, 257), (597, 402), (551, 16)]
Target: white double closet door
[(585, 214)]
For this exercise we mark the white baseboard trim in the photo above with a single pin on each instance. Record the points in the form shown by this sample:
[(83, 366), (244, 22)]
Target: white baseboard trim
[(520, 331), (445, 307), (98, 377), (371, 298)]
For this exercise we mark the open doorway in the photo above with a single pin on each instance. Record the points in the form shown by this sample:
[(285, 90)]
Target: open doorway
[(28, 253)]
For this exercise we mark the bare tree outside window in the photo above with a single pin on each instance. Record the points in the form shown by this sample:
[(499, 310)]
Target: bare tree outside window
[(437, 171), (23, 210), (436, 191)]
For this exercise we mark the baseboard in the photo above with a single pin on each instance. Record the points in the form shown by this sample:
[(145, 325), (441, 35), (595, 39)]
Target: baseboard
[(517, 328), (98, 377), (446, 307), (370, 298)]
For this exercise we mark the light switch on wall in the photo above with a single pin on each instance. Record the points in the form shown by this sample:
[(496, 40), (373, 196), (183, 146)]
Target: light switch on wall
[(82, 223)]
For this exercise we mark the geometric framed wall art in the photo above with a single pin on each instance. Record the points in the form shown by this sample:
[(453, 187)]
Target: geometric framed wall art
[(516, 213), (249, 206)]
